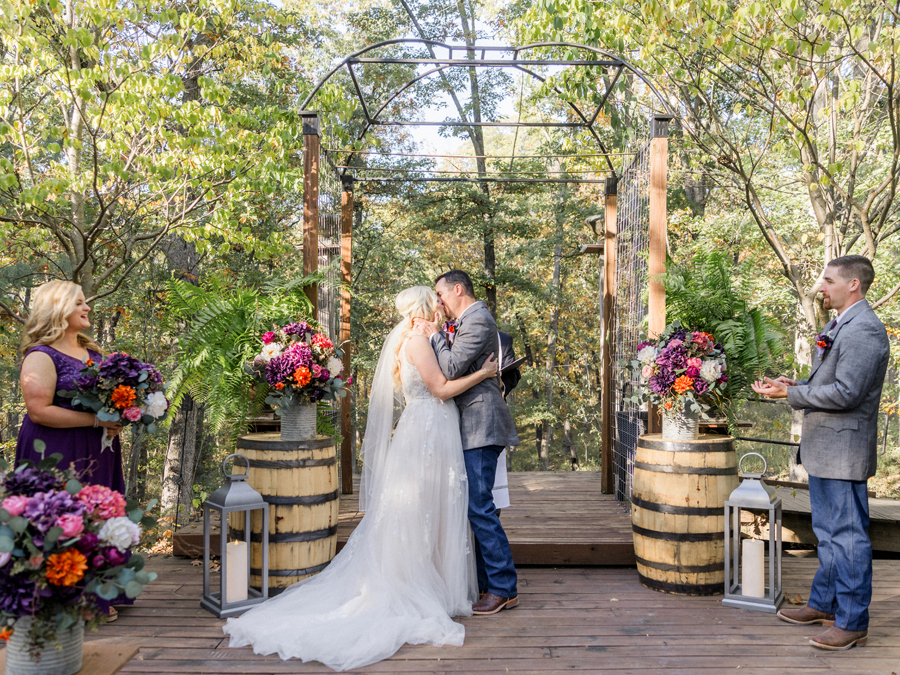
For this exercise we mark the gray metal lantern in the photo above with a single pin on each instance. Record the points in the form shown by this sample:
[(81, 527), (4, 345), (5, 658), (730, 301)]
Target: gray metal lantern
[(235, 595), (745, 586)]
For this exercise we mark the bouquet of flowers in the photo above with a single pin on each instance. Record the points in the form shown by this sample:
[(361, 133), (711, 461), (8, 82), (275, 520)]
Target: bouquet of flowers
[(681, 369), (64, 546), (121, 389), (300, 363)]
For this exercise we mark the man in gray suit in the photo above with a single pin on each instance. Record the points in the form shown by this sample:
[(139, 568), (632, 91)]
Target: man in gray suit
[(838, 448), (486, 426)]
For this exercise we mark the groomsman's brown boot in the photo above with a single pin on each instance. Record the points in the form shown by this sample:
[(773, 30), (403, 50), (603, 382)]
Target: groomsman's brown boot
[(806, 616), (491, 604), (838, 639)]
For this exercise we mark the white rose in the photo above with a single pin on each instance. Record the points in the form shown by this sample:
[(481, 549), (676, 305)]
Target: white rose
[(155, 405), (647, 355), (270, 351), (335, 366), (121, 533), (710, 370)]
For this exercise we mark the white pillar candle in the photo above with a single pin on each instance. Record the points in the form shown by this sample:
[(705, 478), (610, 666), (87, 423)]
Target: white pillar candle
[(236, 581), (753, 568)]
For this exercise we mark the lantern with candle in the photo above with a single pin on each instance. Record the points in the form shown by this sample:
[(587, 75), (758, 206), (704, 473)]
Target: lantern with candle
[(235, 595), (745, 569)]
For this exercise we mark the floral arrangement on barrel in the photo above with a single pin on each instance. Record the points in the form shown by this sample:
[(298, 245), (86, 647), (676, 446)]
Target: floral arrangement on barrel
[(682, 370), (300, 364), (66, 550), (121, 389)]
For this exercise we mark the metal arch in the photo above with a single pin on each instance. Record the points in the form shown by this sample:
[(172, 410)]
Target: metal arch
[(615, 61)]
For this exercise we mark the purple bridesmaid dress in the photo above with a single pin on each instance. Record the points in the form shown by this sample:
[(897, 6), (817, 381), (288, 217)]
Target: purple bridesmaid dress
[(78, 445)]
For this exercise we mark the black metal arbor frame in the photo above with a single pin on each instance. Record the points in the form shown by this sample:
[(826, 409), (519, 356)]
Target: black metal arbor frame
[(490, 57)]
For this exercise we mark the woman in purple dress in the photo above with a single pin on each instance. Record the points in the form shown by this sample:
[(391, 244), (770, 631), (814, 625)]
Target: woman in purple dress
[(54, 352)]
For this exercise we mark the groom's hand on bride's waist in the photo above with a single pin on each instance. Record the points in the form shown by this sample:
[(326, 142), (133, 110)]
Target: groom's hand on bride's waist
[(430, 328)]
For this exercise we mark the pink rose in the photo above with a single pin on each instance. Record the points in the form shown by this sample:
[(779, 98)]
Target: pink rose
[(647, 372), (15, 505), (694, 362), (5, 558), (675, 343), (132, 414), (71, 525), (268, 337), (316, 370)]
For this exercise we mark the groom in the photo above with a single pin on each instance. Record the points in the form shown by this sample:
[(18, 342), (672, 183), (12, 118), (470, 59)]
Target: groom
[(486, 427)]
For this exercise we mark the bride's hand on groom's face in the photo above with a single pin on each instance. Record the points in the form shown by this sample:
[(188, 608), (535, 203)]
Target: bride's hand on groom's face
[(428, 327), (489, 367)]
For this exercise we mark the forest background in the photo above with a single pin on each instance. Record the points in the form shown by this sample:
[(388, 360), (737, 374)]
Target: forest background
[(150, 143)]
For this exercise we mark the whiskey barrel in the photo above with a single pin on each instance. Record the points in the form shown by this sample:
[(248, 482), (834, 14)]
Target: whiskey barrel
[(299, 481), (678, 512)]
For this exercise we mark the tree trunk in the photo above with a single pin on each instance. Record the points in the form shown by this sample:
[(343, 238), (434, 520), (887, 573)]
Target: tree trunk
[(551, 356), (803, 357), (178, 473), (529, 359), (136, 471), (569, 444)]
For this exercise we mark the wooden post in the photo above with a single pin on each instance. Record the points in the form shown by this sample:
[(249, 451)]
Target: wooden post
[(311, 202), (656, 266), (346, 249), (607, 396)]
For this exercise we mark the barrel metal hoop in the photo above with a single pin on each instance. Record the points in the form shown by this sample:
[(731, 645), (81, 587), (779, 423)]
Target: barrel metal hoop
[(275, 444), (676, 510), (309, 500), (257, 571), (682, 589), (687, 470), (674, 446), (679, 536), (687, 569), (292, 463), (289, 537)]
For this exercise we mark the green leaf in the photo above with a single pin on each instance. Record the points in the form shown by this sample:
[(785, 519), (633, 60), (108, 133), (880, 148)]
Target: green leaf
[(7, 545), (133, 589), (73, 487), (18, 524), (52, 536)]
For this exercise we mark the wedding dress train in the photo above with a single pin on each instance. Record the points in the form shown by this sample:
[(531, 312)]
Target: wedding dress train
[(406, 569)]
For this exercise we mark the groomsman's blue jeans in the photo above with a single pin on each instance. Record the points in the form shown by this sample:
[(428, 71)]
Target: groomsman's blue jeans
[(496, 573), (843, 583)]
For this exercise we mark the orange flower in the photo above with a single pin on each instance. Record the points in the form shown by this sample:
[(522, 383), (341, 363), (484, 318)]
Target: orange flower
[(89, 363), (66, 568), (682, 384), (279, 386), (302, 376), (123, 396), (6, 633), (668, 405)]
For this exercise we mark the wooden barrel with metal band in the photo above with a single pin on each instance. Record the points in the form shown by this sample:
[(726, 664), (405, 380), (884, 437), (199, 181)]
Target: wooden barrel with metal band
[(678, 499), (299, 481)]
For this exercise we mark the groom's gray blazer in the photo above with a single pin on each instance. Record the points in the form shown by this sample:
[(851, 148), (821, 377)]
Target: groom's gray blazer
[(840, 399), (484, 418)]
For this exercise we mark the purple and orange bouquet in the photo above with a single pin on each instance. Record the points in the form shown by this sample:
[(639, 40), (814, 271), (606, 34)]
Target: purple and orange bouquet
[(682, 369), (300, 364), (65, 549), (121, 389)]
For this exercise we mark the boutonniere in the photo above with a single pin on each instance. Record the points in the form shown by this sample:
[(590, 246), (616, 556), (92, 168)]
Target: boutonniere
[(823, 344), (449, 327)]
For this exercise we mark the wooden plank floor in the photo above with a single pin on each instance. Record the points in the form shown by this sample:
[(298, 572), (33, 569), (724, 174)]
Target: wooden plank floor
[(554, 519), (597, 620)]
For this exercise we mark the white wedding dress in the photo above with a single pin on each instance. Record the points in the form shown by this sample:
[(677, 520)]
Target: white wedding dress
[(406, 569)]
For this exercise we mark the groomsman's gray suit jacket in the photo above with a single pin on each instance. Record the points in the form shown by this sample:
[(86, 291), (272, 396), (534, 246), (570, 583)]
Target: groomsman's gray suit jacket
[(484, 417), (840, 399)]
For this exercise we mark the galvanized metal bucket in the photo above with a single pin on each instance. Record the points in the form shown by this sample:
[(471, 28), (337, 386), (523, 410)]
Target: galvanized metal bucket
[(63, 657)]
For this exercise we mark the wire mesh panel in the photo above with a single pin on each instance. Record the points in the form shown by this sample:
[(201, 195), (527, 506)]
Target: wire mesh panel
[(632, 244), (329, 262)]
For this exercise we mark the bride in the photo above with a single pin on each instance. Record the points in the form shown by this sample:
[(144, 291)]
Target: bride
[(409, 566)]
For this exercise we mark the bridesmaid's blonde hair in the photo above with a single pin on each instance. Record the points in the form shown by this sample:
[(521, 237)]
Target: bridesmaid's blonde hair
[(47, 323), (417, 302)]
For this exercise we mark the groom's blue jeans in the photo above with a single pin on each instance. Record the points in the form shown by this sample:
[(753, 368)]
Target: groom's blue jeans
[(496, 573), (843, 583)]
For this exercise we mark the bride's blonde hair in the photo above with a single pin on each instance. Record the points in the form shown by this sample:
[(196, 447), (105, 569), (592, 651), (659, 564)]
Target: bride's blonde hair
[(47, 323), (417, 302)]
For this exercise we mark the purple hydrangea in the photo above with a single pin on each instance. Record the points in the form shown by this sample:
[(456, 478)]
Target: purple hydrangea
[(722, 379), (662, 381), (300, 329), (119, 366), (45, 508), (28, 480), (86, 382), (153, 375), (19, 595), (316, 395), (281, 368), (679, 334), (672, 357), (700, 386), (87, 543)]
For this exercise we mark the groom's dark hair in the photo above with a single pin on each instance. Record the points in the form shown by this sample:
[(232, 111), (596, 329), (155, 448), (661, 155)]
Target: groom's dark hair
[(855, 267), (454, 277)]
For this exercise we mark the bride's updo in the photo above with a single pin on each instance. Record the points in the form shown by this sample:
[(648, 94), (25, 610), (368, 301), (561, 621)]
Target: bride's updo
[(418, 302)]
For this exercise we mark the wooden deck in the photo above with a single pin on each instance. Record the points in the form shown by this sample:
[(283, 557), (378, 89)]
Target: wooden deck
[(597, 620)]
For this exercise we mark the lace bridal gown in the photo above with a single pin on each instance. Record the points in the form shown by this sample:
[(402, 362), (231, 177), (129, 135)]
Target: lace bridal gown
[(406, 569)]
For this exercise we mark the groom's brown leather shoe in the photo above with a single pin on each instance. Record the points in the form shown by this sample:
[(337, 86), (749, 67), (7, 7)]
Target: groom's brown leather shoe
[(838, 639), (491, 604), (806, 616)]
